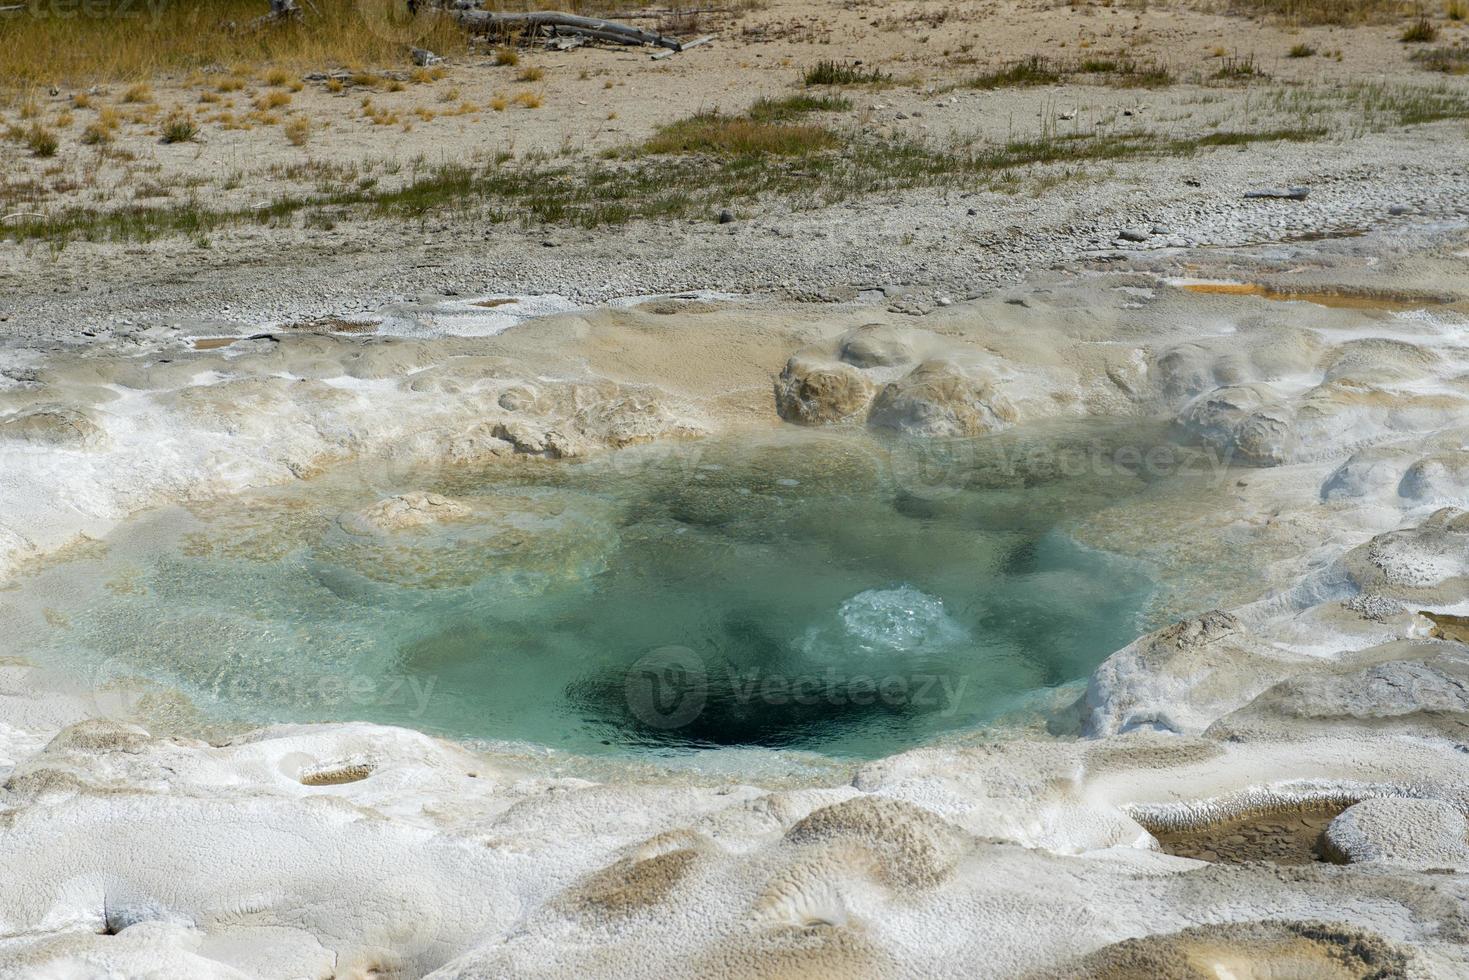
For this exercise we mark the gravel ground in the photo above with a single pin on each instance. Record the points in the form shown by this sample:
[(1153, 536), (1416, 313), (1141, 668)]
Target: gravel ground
[(909, 251)]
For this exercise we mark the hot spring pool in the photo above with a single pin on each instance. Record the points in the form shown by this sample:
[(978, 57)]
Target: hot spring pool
[(787, 589)]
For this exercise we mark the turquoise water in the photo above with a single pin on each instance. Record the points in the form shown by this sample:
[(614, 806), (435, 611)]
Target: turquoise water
[(789, 589)]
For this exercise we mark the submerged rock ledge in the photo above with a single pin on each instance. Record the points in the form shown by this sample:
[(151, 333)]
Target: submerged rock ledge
[(360, 850)]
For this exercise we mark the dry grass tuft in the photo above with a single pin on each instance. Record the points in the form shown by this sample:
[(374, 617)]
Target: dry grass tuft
[(96, 135), (297, 130), (530, 73), (529, 100), (1339, 12), (41, 141), (507, 56), (734, 136), (273, 100), (1449, 61), (179, 127), (139, 93), (100, 131), (54, 42)]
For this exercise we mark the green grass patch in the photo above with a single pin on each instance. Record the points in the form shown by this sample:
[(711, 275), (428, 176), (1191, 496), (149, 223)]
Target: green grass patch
[(1238, 68), (1037, 70), (1421, 31), (795, 107), (828, 72), (1034, 70)]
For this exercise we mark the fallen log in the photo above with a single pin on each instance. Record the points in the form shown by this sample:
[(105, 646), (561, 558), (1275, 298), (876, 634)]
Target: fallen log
[(602, 30)]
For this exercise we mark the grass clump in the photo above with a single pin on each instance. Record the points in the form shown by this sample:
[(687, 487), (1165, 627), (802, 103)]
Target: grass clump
[(1449, 61), (1035, 70), (736, 136), (1301, 50), (99, 131), (139, 93), (829, 72), (1313, 12), (41, 141), (796, 106), (1457, 10), (507, 57), (297, 130), (1235, 68), (1421, 31), (179, 128), (273, 100)]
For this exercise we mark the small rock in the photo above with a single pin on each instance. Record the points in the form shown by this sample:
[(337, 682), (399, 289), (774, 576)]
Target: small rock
[(1133, 235)]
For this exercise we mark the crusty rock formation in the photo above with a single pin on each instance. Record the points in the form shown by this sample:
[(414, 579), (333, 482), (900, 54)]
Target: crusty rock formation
[(940, 399), (814, 392)]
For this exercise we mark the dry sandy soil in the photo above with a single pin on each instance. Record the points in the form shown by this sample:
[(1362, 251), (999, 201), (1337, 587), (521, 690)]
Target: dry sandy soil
[(946, 239)]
